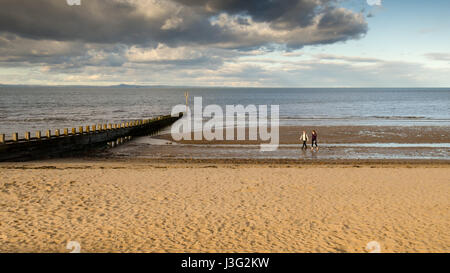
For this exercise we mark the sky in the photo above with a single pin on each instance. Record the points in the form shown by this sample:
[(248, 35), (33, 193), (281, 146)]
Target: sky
[(252, 43)]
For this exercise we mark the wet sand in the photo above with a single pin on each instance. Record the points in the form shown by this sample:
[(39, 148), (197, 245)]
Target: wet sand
[(197, 207), (337, 143), (348, 134)]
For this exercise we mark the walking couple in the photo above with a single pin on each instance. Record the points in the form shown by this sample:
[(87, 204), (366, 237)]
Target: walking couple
[(304, 137)]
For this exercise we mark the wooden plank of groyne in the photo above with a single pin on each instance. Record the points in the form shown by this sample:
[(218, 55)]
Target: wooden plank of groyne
[(66, 131), (15, 137), (80, 129), (77, 143), (49, 133), (74, 131), (38, 134), (2, 138)]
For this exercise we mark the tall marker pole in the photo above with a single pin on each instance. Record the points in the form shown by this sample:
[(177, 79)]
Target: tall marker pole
[(186, 94)]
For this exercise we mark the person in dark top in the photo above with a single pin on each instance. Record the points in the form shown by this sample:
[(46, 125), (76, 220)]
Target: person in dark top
[(314, 140)]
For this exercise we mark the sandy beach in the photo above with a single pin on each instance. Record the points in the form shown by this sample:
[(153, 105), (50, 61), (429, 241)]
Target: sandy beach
[(215, 207)]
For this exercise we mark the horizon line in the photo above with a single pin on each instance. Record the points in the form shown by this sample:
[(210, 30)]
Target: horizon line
[(213, 86)]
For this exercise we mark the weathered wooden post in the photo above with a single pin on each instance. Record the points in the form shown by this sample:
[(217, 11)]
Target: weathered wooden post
[(74, 131), (38, 134), (15, 137), (123, 125), (80, 129), (57, 132), (110, 126), (2, 138), (88, 129), (27, 135), (49, 133), (105, 127), (66, 131), (94, 128)]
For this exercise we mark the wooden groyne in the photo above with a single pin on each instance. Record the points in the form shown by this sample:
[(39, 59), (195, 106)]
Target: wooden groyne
[(77, 140)]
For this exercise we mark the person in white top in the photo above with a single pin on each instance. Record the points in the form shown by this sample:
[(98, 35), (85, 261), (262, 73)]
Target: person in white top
[(304, 138)]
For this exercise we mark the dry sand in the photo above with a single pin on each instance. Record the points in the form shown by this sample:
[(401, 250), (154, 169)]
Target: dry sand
[(163, 207)]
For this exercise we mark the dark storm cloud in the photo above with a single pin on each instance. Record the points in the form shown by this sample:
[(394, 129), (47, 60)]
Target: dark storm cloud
[(281, 14), (169, 35), (107, 21), (99, 21)]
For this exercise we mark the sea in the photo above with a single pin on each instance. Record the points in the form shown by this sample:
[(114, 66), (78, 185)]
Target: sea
[(41, 108)]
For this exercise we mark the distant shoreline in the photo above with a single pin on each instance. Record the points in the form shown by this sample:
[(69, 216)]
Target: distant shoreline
[(224, 87)]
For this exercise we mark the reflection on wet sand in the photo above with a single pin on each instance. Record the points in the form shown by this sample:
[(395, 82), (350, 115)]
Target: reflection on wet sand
[(336, 143)]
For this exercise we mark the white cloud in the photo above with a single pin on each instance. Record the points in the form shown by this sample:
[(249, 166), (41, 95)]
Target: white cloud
[(374, 2), (438, 56)]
